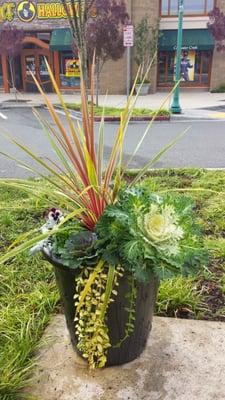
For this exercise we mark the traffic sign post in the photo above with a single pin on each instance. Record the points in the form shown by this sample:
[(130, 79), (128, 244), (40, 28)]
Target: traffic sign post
[(128, 42), (128, 36)]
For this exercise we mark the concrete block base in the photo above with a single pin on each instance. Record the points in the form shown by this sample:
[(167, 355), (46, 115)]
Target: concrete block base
[(183, 360)]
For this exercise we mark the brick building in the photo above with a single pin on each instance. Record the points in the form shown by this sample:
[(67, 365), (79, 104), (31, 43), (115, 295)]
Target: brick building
[(47, 35)]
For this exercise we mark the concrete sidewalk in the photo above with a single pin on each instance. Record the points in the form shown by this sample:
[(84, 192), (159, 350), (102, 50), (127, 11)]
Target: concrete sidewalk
[(183, 360), (189, 100)]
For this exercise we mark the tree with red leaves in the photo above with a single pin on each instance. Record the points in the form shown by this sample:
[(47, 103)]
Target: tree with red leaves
[(11, 44), (216, 26), (104, 34), (97, 28)]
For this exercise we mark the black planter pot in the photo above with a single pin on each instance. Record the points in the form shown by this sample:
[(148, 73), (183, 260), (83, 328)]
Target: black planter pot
[(133, 346)]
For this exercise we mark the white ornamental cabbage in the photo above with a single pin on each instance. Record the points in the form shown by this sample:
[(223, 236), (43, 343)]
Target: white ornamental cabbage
[(160, 227)]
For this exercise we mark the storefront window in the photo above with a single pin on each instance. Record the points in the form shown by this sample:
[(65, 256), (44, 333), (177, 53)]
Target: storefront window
[(191, 7), (171, 69), (166, 67), (69, 70), (206, 65), (173, 7), (195, 68), (162, 67), (164, 7), (30, 65), (43, 70), (210, 5)]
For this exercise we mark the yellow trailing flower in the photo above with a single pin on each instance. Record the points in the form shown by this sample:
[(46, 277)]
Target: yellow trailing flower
[(94, 293), (160, 227)]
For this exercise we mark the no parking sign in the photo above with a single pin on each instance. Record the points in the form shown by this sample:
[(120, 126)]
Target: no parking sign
[(128, 36)]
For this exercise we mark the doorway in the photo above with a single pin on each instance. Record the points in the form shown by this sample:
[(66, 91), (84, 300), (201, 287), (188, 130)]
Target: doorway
[(33, 59)]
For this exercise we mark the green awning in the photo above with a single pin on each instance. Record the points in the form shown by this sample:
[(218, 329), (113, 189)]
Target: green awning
[(193, 39), (61, 39)]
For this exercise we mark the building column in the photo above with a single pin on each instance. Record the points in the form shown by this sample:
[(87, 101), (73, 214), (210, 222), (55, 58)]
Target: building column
[(56, 67), (5, 73)]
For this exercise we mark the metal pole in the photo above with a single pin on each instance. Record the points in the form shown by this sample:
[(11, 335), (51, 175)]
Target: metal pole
[(175, 107), (128, 71)]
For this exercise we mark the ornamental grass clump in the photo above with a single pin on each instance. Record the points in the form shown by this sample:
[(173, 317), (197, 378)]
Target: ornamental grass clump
[(112, 239)]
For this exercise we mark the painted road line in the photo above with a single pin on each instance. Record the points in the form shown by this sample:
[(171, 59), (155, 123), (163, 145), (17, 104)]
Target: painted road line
[(189, 120), (71, 115), (3, 116), (217, 115)]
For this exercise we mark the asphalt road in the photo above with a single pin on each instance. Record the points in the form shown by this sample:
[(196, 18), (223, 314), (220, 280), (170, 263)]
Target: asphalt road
[(202, 146)]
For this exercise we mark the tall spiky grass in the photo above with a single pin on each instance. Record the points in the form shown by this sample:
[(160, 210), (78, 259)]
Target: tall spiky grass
[(78, 177)]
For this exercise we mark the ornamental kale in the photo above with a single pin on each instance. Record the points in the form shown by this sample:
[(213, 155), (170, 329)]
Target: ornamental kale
[(75, 248), (149, 234)]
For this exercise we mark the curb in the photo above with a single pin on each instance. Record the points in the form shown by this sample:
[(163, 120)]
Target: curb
[(8, 106), (134, 119), (162, 118), (117, 119)]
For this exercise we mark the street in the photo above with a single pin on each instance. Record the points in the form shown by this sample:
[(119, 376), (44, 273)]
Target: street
[(202, 146)]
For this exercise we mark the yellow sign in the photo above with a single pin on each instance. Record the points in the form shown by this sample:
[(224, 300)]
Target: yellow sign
[(72, 67), (54, 10), (26, 11), (7, 11)]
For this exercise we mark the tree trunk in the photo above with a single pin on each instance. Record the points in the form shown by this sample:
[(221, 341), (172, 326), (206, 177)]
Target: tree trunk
[(11, 67), (97, 82), (84, 66)]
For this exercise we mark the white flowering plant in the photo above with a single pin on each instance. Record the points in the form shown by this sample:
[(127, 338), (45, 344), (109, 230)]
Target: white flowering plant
[(148, 233)]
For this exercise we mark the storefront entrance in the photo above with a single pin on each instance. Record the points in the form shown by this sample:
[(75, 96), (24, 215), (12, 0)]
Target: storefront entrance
[(196, 58), (195, 68), (33, 60), (38, 47)]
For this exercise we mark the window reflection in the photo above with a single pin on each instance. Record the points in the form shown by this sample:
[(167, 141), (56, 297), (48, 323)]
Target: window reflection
[(164, 7), (210, 5), (194, 7), (173, 7), (30, 65), (191, 7)]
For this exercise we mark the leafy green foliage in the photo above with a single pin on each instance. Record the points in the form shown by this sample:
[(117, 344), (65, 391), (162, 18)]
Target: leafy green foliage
[(123, 240), (75, 248), (214, 215), (146, 42), (178, 294), (131, 297), (216, 246), (116, 112)]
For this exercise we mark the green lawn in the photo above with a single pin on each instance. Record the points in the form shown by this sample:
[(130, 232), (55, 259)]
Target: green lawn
[(29, 295), (115, 112), (27, 291)]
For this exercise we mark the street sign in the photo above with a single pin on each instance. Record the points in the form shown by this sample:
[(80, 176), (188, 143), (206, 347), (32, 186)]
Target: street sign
[(128, 36), (128, 42)]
